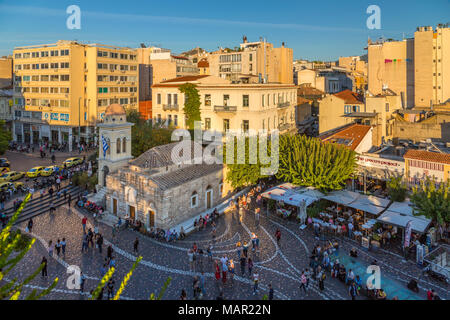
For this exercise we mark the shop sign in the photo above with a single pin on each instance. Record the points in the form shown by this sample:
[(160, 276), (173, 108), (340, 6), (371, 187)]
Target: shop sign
[(382, 163)]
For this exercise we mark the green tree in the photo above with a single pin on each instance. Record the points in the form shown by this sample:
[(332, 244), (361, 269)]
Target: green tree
[(431, 201), (192, 104), (397, 189), (144, 135), (308, 161), (5, 137)]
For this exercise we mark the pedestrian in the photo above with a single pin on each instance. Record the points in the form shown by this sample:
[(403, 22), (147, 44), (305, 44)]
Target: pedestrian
[(195, 288), (63, 246), (250, 266), (30, 225), (238, 249), (135, 245), (65, 194), (44, 268), (321, 277), (270, 292), (103, 270), (50, 248), (231, 269), (53, 159), (242, 263), (83, 221), (90, 237), (58, 247), (245, 250), (110, 287), (50, 192), (183, 295), (82, 280), (353, 291), (84, 245), (255, 282), (278, 236), (209, 251), (112, 262), (100, 243), (202, 283), (191, 259), (69, 200), (303, 281), (217, 271), (109, 252)]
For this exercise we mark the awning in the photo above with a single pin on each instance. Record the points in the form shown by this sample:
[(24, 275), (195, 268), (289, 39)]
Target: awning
[(399, 213), (293, 195), (343, 197), (370, 204)]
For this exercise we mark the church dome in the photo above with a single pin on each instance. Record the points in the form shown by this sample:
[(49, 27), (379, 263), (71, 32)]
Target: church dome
[(114, 109)]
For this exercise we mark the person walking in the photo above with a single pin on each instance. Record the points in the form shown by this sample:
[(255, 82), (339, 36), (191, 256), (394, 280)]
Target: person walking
[(63, 246), (270, 292), (109, 252), (243, 262), (58, 247), (30, 225), (82, 281), (83, 223), (278, 236), (44, 269), (110, 287), (321, 276), (250, 266), (353, 290), (183, 295), (84, 245), (69, 199), (303, 281), (100, 243), (136, 245), (255, 282), (202, 283), (191, 259), (238, 249)]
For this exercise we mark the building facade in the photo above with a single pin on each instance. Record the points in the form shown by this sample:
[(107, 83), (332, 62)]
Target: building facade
[(330, 80), (61, 90), (226, 106), (6, 72), (420, 164), (432, 65)]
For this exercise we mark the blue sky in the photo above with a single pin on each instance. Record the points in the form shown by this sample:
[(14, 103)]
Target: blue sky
[(323, 29)]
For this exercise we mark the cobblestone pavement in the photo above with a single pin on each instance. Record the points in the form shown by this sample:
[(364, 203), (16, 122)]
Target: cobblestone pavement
[(279, 265)]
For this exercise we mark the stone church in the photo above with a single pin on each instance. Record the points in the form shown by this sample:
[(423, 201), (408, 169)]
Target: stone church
[(152, 188)]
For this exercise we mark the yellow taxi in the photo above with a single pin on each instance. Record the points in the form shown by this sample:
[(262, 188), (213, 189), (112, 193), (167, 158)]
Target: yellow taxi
[(72, 162), (4, 170), (35, 172), (11, 176), (48, 171), (9, 185), (5, 186)]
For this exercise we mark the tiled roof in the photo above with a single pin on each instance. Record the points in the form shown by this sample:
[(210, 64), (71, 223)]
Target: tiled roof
[(428, 156), (186, 174), (350, 136), (160, 156), (349, 97), (186, 78), (203, 63), (179, 57), (309, 91)]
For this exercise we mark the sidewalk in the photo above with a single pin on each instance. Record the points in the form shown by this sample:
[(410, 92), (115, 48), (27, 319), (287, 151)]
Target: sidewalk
[(58, 154)]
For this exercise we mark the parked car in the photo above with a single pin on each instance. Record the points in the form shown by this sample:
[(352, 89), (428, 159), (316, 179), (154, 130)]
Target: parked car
[(48, 171), (11, 176), (4, 162), (73, 161), (35, 172)]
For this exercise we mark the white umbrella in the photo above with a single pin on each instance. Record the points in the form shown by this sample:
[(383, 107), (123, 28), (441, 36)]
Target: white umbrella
[(302, 214)]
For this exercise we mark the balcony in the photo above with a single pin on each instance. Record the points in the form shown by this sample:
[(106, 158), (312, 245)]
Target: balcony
[(170, 107), (225, 108), (283, 105)]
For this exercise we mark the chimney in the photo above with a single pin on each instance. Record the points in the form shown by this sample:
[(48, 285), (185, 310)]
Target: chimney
[(282, 44)]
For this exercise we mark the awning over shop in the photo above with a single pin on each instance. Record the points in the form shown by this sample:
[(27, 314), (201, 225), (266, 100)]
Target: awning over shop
[(370, 204), (377, 173), (293, 195), (399, 213)]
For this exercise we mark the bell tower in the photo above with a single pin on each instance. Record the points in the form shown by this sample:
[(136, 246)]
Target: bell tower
[(114, 142)]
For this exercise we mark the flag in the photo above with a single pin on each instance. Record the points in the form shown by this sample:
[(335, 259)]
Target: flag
[(105, 145), (407, 234)]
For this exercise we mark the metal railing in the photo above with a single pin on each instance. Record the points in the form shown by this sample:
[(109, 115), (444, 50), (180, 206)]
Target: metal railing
[(283, 104), (170, 107), (225, 108)]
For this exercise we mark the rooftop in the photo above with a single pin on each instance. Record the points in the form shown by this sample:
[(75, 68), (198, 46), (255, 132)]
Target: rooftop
[(185, 78), (349, 136), (349, 97), (428, 156)]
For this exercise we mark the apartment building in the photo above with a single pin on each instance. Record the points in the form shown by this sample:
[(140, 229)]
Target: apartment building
[(228, 106), (432, 65), (328, 80), (391, 66), (253, 62), (6, 72), (61, 90)]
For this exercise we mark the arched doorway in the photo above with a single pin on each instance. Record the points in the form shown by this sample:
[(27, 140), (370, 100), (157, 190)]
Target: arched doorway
[(105, 173)]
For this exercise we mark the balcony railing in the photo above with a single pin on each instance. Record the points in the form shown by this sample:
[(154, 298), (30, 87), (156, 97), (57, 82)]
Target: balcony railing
[(170, 107), (225, 108), (283, 104)]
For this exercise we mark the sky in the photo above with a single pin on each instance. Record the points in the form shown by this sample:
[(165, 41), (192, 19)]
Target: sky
[(315, 30)]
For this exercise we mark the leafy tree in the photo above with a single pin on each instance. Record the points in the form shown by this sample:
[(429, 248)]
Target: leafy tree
[(431, 201), (308, 161), (10, 242), (397, 189), (144, 135), (5, 137), (192, 104)]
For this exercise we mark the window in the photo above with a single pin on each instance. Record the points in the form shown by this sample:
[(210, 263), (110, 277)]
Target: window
[(123, 100), (175, 99), (387, 107), (169, 99), (245, 100), (17, 56), (64, 52), (124, 67), (114, 55), (226, 97), (245, 125), (54, 53), (64, 77), (250, 57), (26, 78), (226, 125), (35, 78), (54, 77), (175, 120), (194, 199), (44, 90), (102, 66), (118, 142), (262, 100), (26, 67), (44, 65), (207, 100), (44, 54), (54, 65), (35, 66), (158, 98), (124, 144), (207, 123), (44, 77), (102, 90), (263, 124)]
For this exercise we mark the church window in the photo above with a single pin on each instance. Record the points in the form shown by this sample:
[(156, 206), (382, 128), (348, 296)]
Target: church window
[(118, 145), (124, 145)]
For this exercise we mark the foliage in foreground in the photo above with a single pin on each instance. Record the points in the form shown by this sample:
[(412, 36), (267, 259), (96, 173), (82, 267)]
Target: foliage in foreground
[(5, 137), (192, 104), (397, 189), (431, 201)]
